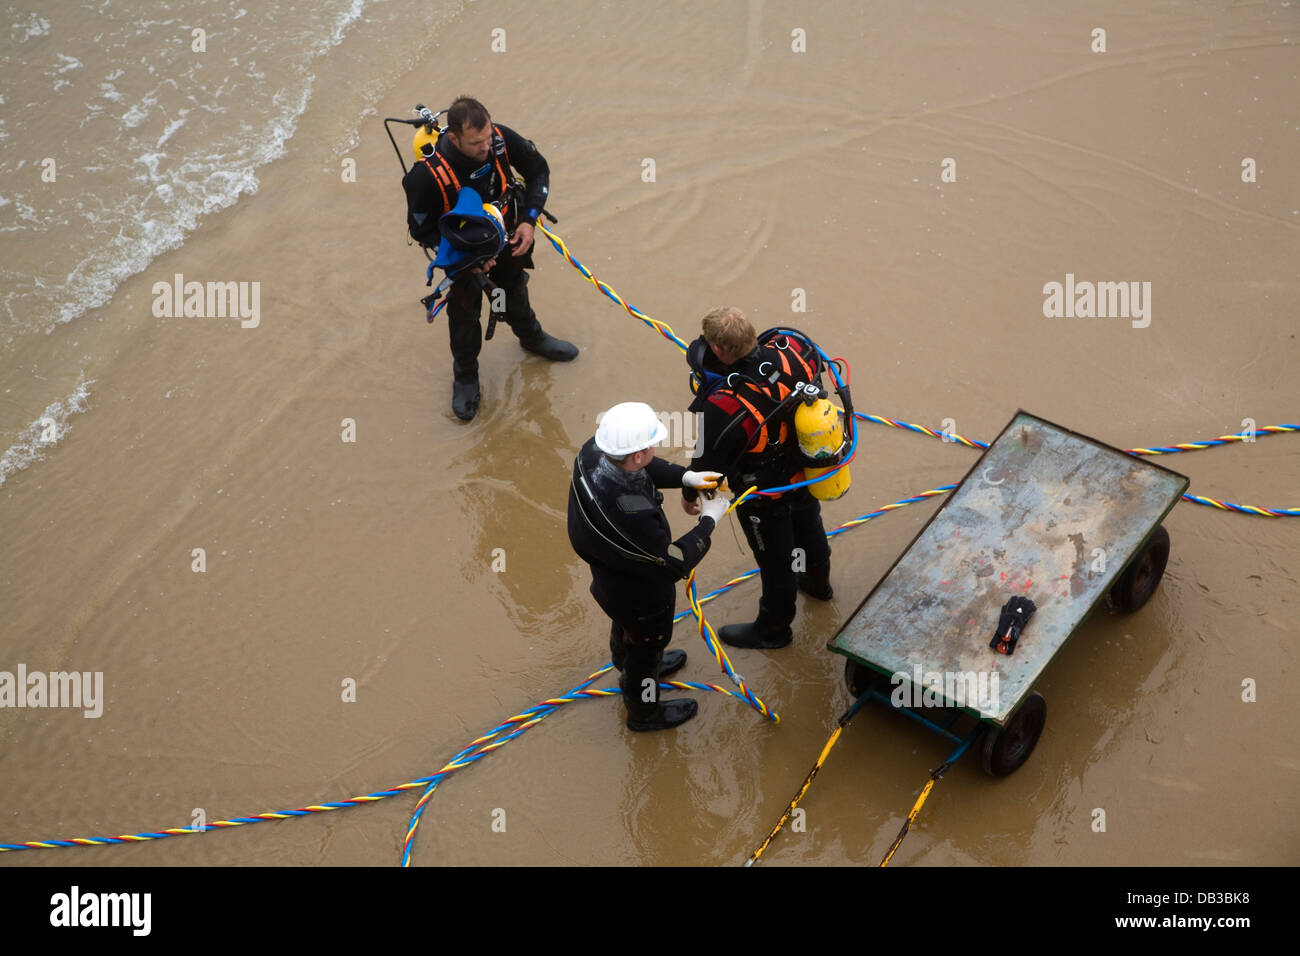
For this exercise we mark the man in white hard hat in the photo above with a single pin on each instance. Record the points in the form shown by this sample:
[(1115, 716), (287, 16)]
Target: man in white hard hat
[(617, 525)]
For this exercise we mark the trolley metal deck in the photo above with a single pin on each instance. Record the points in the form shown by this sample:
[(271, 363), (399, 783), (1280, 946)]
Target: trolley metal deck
[(1046, 513)]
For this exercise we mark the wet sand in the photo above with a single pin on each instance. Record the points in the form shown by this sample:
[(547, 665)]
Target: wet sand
[(775, 170)]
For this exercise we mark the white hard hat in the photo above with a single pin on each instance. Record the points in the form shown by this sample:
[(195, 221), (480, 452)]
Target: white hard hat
[(629, 427)]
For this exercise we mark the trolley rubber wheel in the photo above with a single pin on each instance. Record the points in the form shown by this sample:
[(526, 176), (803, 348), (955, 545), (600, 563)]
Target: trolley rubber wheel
[(1006, 749), (1140, 579)]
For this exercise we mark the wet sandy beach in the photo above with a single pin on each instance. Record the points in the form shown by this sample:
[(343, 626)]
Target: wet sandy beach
[(775, 170)]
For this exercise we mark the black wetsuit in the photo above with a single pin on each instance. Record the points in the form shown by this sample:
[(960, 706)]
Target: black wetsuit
[(774, 527), (617, 525), (425, 204)]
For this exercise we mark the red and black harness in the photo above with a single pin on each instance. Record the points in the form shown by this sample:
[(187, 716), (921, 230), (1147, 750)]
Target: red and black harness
[(755, 398)]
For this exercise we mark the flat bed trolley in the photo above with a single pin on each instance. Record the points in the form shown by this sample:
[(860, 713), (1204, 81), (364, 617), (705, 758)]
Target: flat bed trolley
[(1045, 514)]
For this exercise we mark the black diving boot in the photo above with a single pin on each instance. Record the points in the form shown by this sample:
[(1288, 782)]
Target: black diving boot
[(673, 661), (464, 399), (549, 347), (643, 715), (817, 583), (765, 633), (664, 716)]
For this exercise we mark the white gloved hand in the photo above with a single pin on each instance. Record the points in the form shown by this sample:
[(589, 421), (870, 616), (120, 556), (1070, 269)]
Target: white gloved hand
[(714, 507), (707, 480)]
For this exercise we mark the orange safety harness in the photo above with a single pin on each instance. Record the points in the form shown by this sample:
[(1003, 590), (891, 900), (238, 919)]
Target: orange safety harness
[(446, 177)]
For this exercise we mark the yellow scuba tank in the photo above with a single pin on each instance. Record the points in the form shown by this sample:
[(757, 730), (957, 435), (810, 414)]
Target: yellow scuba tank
[(819, 428), (425, 138), (426, 134)]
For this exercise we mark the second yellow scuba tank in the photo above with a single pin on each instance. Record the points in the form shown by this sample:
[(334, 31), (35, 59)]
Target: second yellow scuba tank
[(819, 429)]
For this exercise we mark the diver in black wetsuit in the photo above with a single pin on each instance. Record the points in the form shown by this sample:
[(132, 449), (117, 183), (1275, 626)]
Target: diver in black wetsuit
[(747, 435), (475, 152)]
